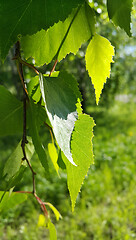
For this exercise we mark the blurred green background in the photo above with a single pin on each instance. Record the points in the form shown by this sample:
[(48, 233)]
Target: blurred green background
[(106, 206)]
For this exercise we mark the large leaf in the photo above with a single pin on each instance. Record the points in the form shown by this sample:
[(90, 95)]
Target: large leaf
[(10, 200), (60, 95), (34, 132), (11, 114), (62, 38), (82, 153), (120, 13), (29, 16), (14, 166), (98, 59)]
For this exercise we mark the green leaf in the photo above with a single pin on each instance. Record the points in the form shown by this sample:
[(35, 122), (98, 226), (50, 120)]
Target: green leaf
[(41, 221), (33, 89), (14, 166), (52, 231), (29, 16), (82, 153), (33, 128), (98, 58), (62, 38), (11, 200), (120, 13), (60, 161), (60, 95), (10, 113), (56, 212), (53, 156)]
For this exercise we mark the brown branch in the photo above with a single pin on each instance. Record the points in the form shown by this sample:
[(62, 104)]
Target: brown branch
[(24, 138), (53, 67)]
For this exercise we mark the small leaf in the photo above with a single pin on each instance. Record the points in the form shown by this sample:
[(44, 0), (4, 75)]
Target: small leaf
[(33, 89), (82, 153), (15, 160), (52, 231), (62, 38), (15, 167), (60, 95), (10, 113), (10, 200), (32, 123), (41, 221), (120, 13), (53, 156), (98, 58), (56, 212)]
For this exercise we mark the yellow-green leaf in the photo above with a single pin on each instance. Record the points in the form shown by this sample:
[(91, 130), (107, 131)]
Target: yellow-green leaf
[(41, 221), (98, 57), (56, 212), (82, 153), (53, 156), (52, 231)]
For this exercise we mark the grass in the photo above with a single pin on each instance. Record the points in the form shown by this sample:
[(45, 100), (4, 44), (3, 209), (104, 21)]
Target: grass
[(106, 206)]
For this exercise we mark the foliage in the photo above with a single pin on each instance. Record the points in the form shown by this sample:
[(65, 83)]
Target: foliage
[(53, 100), (106, 206)]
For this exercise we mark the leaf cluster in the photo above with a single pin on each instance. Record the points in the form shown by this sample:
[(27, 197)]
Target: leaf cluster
[(46, 31)]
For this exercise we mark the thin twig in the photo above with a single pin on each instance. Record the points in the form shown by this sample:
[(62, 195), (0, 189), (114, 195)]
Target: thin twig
[(53, 67), (26, 64), (24, 138), (50, 130)]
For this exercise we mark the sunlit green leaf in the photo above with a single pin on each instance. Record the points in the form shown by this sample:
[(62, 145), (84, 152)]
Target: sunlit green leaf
[(52, 231), (64, 36), (82, 153), (120, 13), (29, 16), (56, 212), (10, 200), (53, 156), (98, 57)]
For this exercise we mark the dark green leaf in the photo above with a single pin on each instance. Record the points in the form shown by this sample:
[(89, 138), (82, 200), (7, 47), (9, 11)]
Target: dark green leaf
[(33, 128), (120, 13), (11, 114), (60, 161), (15, 167), (60, 95)]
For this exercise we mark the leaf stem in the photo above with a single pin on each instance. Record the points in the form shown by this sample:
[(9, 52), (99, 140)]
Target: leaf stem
[(53, 67)]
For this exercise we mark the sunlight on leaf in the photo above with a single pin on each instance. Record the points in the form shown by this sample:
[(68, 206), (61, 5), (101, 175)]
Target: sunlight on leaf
[(98, 58)]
